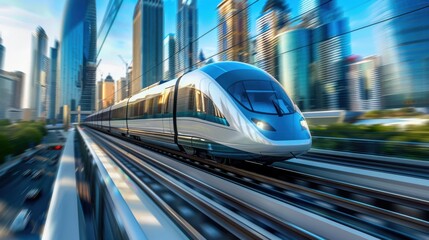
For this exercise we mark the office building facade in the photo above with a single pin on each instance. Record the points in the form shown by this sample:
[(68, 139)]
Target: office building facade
[(364, 83), (121, 89), (52, 85), (330, 49), (77, 58), (11, 91), (148, 31), (233, 30), (403, 45), (187, 34), (272, 21), (2, 54), (294, 57), (39, 74), (169, 58), (105, 92)]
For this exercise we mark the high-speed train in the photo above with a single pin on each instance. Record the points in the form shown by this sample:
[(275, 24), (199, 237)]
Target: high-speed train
[(225, 110)]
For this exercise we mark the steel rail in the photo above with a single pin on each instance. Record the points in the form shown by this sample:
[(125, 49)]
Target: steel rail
[(279, 179), (273, 222), (236, 228), (400, 168)]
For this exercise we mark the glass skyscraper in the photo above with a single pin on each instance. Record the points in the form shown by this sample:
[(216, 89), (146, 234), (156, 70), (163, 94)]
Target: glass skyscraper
[(39, 74), (274, 17), (77, 64), (11, 91), (403, 45), (2, 52), (169, 56), (233, 30), (148, 31), (52, 86), (330, 49), (187, 33), (294, 55), (364, 83)]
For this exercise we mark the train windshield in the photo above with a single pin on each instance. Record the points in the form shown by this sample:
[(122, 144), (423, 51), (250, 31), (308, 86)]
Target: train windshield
[(262, 96)]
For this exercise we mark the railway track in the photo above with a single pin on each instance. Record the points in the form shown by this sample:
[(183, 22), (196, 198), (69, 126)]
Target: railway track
[(214, 214), (380, 214), (412, 168)]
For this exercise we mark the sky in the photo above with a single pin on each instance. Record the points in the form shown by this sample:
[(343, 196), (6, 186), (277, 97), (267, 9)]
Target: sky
[(20, 18)]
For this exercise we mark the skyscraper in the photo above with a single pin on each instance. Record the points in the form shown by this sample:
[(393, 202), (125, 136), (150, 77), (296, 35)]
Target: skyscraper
[(99, 94), (2, 53), (318, 12), (11, 91), (403, 44), (52, 85), (169, 57), (273, 19), (77, 65), (187, 33), (121, 89), (364, 83), (330, 48), (294, 55), (39, 74), (136, 74), (233, 31), (105, 92), (148, 31)]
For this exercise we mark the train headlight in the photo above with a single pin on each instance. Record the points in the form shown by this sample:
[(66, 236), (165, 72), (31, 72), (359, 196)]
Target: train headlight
[(304, 123), (262, 125)]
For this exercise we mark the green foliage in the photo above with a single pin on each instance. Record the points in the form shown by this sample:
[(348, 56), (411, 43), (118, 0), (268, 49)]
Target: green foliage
[(16, 138), (419, 133), (5, 147), (4, 122), (403, 112)]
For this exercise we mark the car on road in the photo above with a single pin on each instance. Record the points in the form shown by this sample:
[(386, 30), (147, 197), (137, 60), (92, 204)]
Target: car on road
[(33, 194), (26, 173), (37, 174), (21, 220)]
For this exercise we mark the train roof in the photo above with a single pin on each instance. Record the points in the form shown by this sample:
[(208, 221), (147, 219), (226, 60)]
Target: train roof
[(227, 73)]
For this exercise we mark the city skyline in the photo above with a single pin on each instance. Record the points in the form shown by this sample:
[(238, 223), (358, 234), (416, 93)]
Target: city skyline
[(19, 13)]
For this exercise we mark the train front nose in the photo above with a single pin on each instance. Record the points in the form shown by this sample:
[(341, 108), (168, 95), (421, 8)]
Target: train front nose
[(283, 128), (288, 135)]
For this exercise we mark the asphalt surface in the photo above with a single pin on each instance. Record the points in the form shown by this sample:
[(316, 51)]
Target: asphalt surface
[(14, 187)]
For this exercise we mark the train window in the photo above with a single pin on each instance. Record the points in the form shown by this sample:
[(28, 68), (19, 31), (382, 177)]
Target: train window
[(133, 110), (261, 96), (159, 105), (239, 93), (167, 107), (119, 113), (193, 103)]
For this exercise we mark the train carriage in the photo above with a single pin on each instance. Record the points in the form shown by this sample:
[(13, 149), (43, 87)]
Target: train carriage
[(223, 110)]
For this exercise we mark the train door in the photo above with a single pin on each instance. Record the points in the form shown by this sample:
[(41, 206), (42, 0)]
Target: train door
[(167, 117)]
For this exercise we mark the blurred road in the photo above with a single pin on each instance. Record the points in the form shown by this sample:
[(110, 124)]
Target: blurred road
[(14, 187)]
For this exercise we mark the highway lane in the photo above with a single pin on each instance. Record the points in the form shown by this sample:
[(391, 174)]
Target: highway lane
[(14, 187)]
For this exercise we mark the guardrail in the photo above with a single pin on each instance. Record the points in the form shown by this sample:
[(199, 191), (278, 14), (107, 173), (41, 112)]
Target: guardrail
[(70, 216), (94, 199), (112, 218), (63, 220), (413, 150)]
